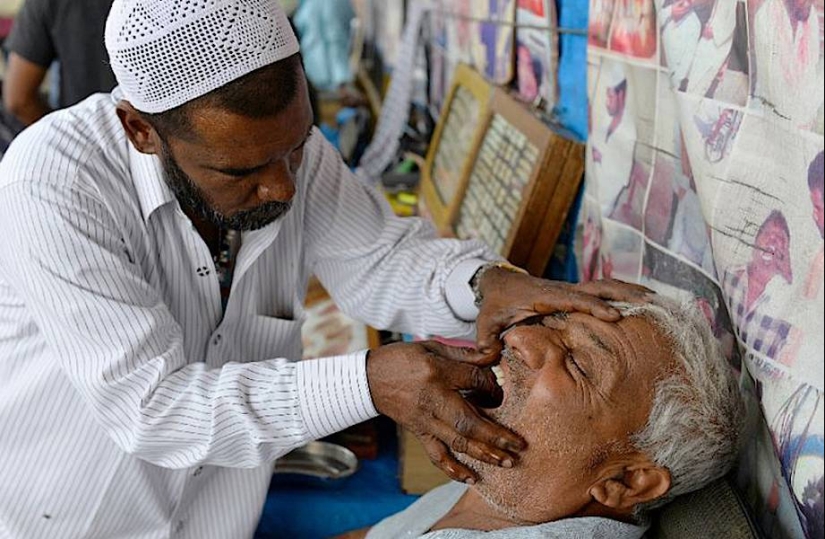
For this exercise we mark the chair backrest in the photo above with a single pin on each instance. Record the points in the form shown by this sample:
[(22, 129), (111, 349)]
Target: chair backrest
[(714, 512)]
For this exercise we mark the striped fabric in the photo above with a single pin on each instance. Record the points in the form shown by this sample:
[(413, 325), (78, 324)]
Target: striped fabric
[(129, 405)]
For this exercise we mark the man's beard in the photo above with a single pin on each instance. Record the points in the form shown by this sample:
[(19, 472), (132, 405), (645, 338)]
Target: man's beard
[(191, 197)]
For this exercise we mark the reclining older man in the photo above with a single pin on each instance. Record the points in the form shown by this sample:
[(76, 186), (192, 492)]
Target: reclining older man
[(619, 418)]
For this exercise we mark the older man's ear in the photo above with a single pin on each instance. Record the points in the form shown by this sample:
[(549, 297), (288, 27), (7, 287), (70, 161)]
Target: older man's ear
[(626, 485)]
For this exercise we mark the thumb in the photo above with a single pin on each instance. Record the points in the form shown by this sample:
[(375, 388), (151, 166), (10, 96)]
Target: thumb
[(488, 329), (461, 354), (470, 378)]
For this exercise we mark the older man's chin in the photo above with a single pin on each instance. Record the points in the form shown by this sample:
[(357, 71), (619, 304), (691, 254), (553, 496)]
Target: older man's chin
[(497, 486)]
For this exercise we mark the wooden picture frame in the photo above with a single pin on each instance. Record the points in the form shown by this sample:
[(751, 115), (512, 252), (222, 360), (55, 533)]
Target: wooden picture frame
[(521, 183), (450, 153)]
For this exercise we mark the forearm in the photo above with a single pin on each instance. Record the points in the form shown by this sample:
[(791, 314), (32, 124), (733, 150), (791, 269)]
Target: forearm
[(21, 90), (240, 415), (384, 270), (27, 109)]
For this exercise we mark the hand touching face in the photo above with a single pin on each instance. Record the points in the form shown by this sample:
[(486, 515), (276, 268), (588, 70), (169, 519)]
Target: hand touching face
[(575, 387)]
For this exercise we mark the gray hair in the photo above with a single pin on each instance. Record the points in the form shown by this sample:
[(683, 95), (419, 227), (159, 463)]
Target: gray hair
[(697, 417)]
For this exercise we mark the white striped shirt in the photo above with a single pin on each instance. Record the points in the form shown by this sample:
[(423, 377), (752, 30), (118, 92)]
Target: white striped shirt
[(128, 406)]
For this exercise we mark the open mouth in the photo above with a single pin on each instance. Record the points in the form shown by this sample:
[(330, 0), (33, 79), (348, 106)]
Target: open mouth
[(492, 399)]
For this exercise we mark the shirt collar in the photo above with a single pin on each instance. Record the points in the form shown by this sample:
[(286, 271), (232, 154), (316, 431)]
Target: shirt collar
[(147, 175)]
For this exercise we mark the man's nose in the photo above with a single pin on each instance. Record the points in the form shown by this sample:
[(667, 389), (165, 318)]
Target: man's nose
[(277, 184), (534, 345)]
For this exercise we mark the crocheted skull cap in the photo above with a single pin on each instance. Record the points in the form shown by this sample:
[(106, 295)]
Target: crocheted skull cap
[(165, 53)]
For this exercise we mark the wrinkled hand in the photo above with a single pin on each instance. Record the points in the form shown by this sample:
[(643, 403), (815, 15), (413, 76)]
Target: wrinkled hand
[(417, 385), (510, 297)]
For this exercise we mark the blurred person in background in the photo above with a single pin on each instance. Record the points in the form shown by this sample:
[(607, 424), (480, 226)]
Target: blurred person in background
[(67, 31)]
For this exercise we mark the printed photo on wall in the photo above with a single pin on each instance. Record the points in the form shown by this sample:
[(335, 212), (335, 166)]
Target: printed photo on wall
[(749, 288), (709, 131), (705, 47), (767, 242), (787, 59), (588, 259), (674, 217), (494, 56), (624, 26), (601, 17), (798, 430), (622, 129), (621, 252), (628, 205), (536, 52)]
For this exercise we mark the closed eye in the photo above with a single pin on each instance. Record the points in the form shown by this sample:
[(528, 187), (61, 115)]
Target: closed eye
[(575, 364)]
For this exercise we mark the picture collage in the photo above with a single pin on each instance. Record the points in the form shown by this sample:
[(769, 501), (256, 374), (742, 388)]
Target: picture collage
[(704, 179)]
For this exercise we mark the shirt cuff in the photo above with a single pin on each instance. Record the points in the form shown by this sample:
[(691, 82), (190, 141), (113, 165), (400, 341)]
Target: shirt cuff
[(333, 393), (459, 294)]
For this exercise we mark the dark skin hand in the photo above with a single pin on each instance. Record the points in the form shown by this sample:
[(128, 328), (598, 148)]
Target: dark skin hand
[(509, 297), (419, 386)]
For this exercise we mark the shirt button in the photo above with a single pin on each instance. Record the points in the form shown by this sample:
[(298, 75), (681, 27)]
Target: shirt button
[(217, 340), (179, 526)]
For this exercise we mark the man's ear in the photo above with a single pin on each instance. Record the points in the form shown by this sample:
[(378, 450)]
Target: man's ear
[(630, 484), (140, 132)]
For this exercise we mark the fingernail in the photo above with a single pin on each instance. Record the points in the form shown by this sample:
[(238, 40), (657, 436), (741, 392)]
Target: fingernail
[(507, 463), (470, 481)]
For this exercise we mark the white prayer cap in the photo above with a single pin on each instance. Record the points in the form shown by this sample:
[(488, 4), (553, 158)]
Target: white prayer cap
[(613, 73), (165, 53)]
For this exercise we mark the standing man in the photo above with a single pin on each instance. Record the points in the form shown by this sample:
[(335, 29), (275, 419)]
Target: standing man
[(156, 248), (68, 31)]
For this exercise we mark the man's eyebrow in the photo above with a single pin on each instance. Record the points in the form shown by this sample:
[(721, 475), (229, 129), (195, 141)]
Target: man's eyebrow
[(238, 171), (600, 343)]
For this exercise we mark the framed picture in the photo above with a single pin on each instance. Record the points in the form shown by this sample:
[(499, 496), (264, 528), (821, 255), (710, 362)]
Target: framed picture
[(521, 184), (449, 155)]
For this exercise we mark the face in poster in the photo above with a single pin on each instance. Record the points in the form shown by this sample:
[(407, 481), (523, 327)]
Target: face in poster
[(766, 244)]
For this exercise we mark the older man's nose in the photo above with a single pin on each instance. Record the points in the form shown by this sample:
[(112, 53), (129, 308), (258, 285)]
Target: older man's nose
[(534, 345)]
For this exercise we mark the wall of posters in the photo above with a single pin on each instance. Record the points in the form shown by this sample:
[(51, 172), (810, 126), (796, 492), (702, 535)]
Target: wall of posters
[(510, 42), (705, 177)]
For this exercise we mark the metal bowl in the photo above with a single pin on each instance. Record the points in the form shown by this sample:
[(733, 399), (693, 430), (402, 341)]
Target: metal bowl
[(318, 459)]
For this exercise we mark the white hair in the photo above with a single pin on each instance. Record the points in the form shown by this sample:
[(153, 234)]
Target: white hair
[(697, 417)]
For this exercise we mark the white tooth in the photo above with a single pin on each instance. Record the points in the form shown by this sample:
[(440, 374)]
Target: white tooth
[(499, 374)]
